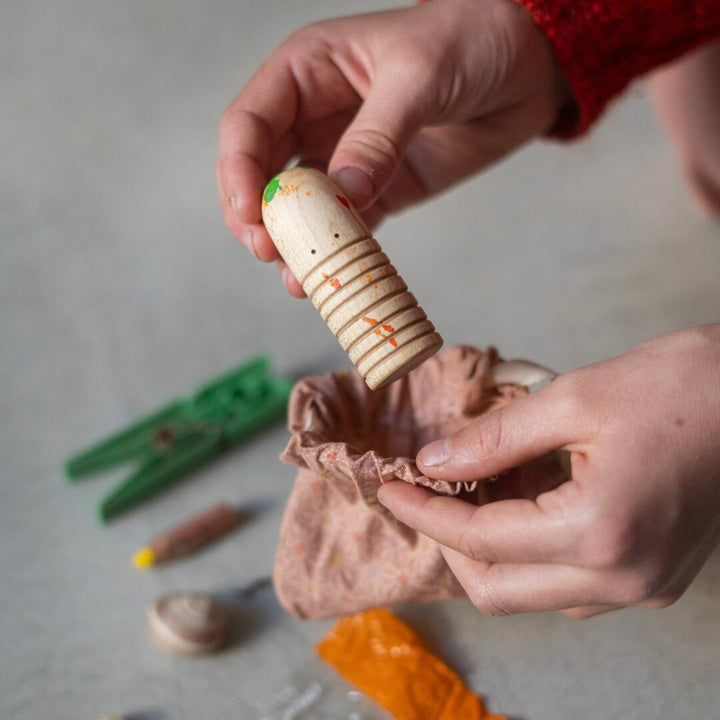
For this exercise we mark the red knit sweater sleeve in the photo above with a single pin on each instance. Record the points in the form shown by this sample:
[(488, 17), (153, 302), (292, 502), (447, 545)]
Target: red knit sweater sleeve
[(601, 45)]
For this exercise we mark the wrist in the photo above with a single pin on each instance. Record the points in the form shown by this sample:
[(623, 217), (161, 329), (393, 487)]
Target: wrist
[(601, 47)]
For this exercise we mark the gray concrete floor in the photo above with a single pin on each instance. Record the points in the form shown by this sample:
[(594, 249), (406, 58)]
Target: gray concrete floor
[(120, 288)]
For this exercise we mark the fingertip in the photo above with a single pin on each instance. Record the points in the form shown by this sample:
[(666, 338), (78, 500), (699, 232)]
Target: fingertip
[(240, 183), (385, 492), (371, 148), (514, 434), (262, 245), (254, 239), (291, 283), (433, 455), (401, 497), (590, 611), (248, 231), (357, 184)]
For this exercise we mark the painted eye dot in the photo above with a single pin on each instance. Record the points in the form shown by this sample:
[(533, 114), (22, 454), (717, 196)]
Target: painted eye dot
[(337, 235), (313, 251)]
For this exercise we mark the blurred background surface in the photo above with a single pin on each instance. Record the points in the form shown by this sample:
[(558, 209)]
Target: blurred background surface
[(120, 288)]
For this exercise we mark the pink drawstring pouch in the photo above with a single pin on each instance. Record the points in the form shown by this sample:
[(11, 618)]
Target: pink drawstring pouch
[(339, 550)]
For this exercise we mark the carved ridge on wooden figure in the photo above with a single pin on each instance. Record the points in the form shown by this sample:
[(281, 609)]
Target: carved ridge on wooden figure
[(383, 354), (400, 363), (400, 326), (319, 269), (392, 336), (403, 308), (412, 304), (381, 261), (339, 300), (368, 310), (371, 251), (334, 254), (362, 286), (384, 357)]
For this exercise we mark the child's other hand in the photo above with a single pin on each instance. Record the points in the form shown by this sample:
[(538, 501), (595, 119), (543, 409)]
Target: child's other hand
[(396, 105), (638, 518)]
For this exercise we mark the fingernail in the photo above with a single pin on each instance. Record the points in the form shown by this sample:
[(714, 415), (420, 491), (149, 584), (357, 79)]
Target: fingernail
[(381, 492), (232, 200), (379, 497), (436, 453), (285, 274), (356, 183), (247, 240)]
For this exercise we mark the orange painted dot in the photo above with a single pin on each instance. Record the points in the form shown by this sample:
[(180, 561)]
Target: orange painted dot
[(370, 320)]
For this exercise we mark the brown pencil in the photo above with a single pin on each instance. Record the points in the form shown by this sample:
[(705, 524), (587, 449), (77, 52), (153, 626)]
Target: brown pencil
[(187, 537)]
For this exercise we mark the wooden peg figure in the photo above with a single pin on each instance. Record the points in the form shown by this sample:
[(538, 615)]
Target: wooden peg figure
[(348, 278)]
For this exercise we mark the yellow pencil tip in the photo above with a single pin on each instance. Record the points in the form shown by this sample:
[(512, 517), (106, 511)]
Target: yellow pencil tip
[(144, 558)]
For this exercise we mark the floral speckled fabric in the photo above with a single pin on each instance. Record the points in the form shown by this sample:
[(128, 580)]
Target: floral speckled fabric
[(339, 550)]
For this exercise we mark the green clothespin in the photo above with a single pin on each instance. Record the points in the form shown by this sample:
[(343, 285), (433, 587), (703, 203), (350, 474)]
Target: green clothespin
[(180, 437)]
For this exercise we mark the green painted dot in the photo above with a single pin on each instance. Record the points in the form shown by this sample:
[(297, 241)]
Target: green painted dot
[(272, 187)]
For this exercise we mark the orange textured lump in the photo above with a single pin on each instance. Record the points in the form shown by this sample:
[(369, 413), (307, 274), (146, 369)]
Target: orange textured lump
[(385, 659)]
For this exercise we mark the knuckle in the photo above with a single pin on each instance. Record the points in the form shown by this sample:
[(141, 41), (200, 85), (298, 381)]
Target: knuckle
[(611, 546), (633, 591), (582, 612), (226, 119), (309, 39), (636, 589), (573, 389), (610, 539), (478, 443), (471, 545), (664, 600), (495, 436), (410, 60), (301, 36), (489, 600), (373, 144), (222, 172), (228, 214)]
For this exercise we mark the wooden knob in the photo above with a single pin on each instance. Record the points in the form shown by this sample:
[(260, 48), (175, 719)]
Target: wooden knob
[(348, 278)]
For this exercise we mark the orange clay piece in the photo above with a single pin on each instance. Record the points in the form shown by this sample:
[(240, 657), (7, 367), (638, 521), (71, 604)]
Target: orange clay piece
[(385, 659)]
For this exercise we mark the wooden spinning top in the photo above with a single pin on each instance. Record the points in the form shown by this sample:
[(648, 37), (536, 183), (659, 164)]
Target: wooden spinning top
[(348, 278)]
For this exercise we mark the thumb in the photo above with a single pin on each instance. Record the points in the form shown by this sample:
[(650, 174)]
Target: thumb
[(517, 433), (373, 145)]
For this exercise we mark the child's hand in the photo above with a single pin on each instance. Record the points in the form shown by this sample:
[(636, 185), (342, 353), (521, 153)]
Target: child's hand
[(396, 105), (641, 513)]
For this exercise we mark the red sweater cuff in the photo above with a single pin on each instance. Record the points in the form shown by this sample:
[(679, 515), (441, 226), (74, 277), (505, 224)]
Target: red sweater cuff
[(601, 46)]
